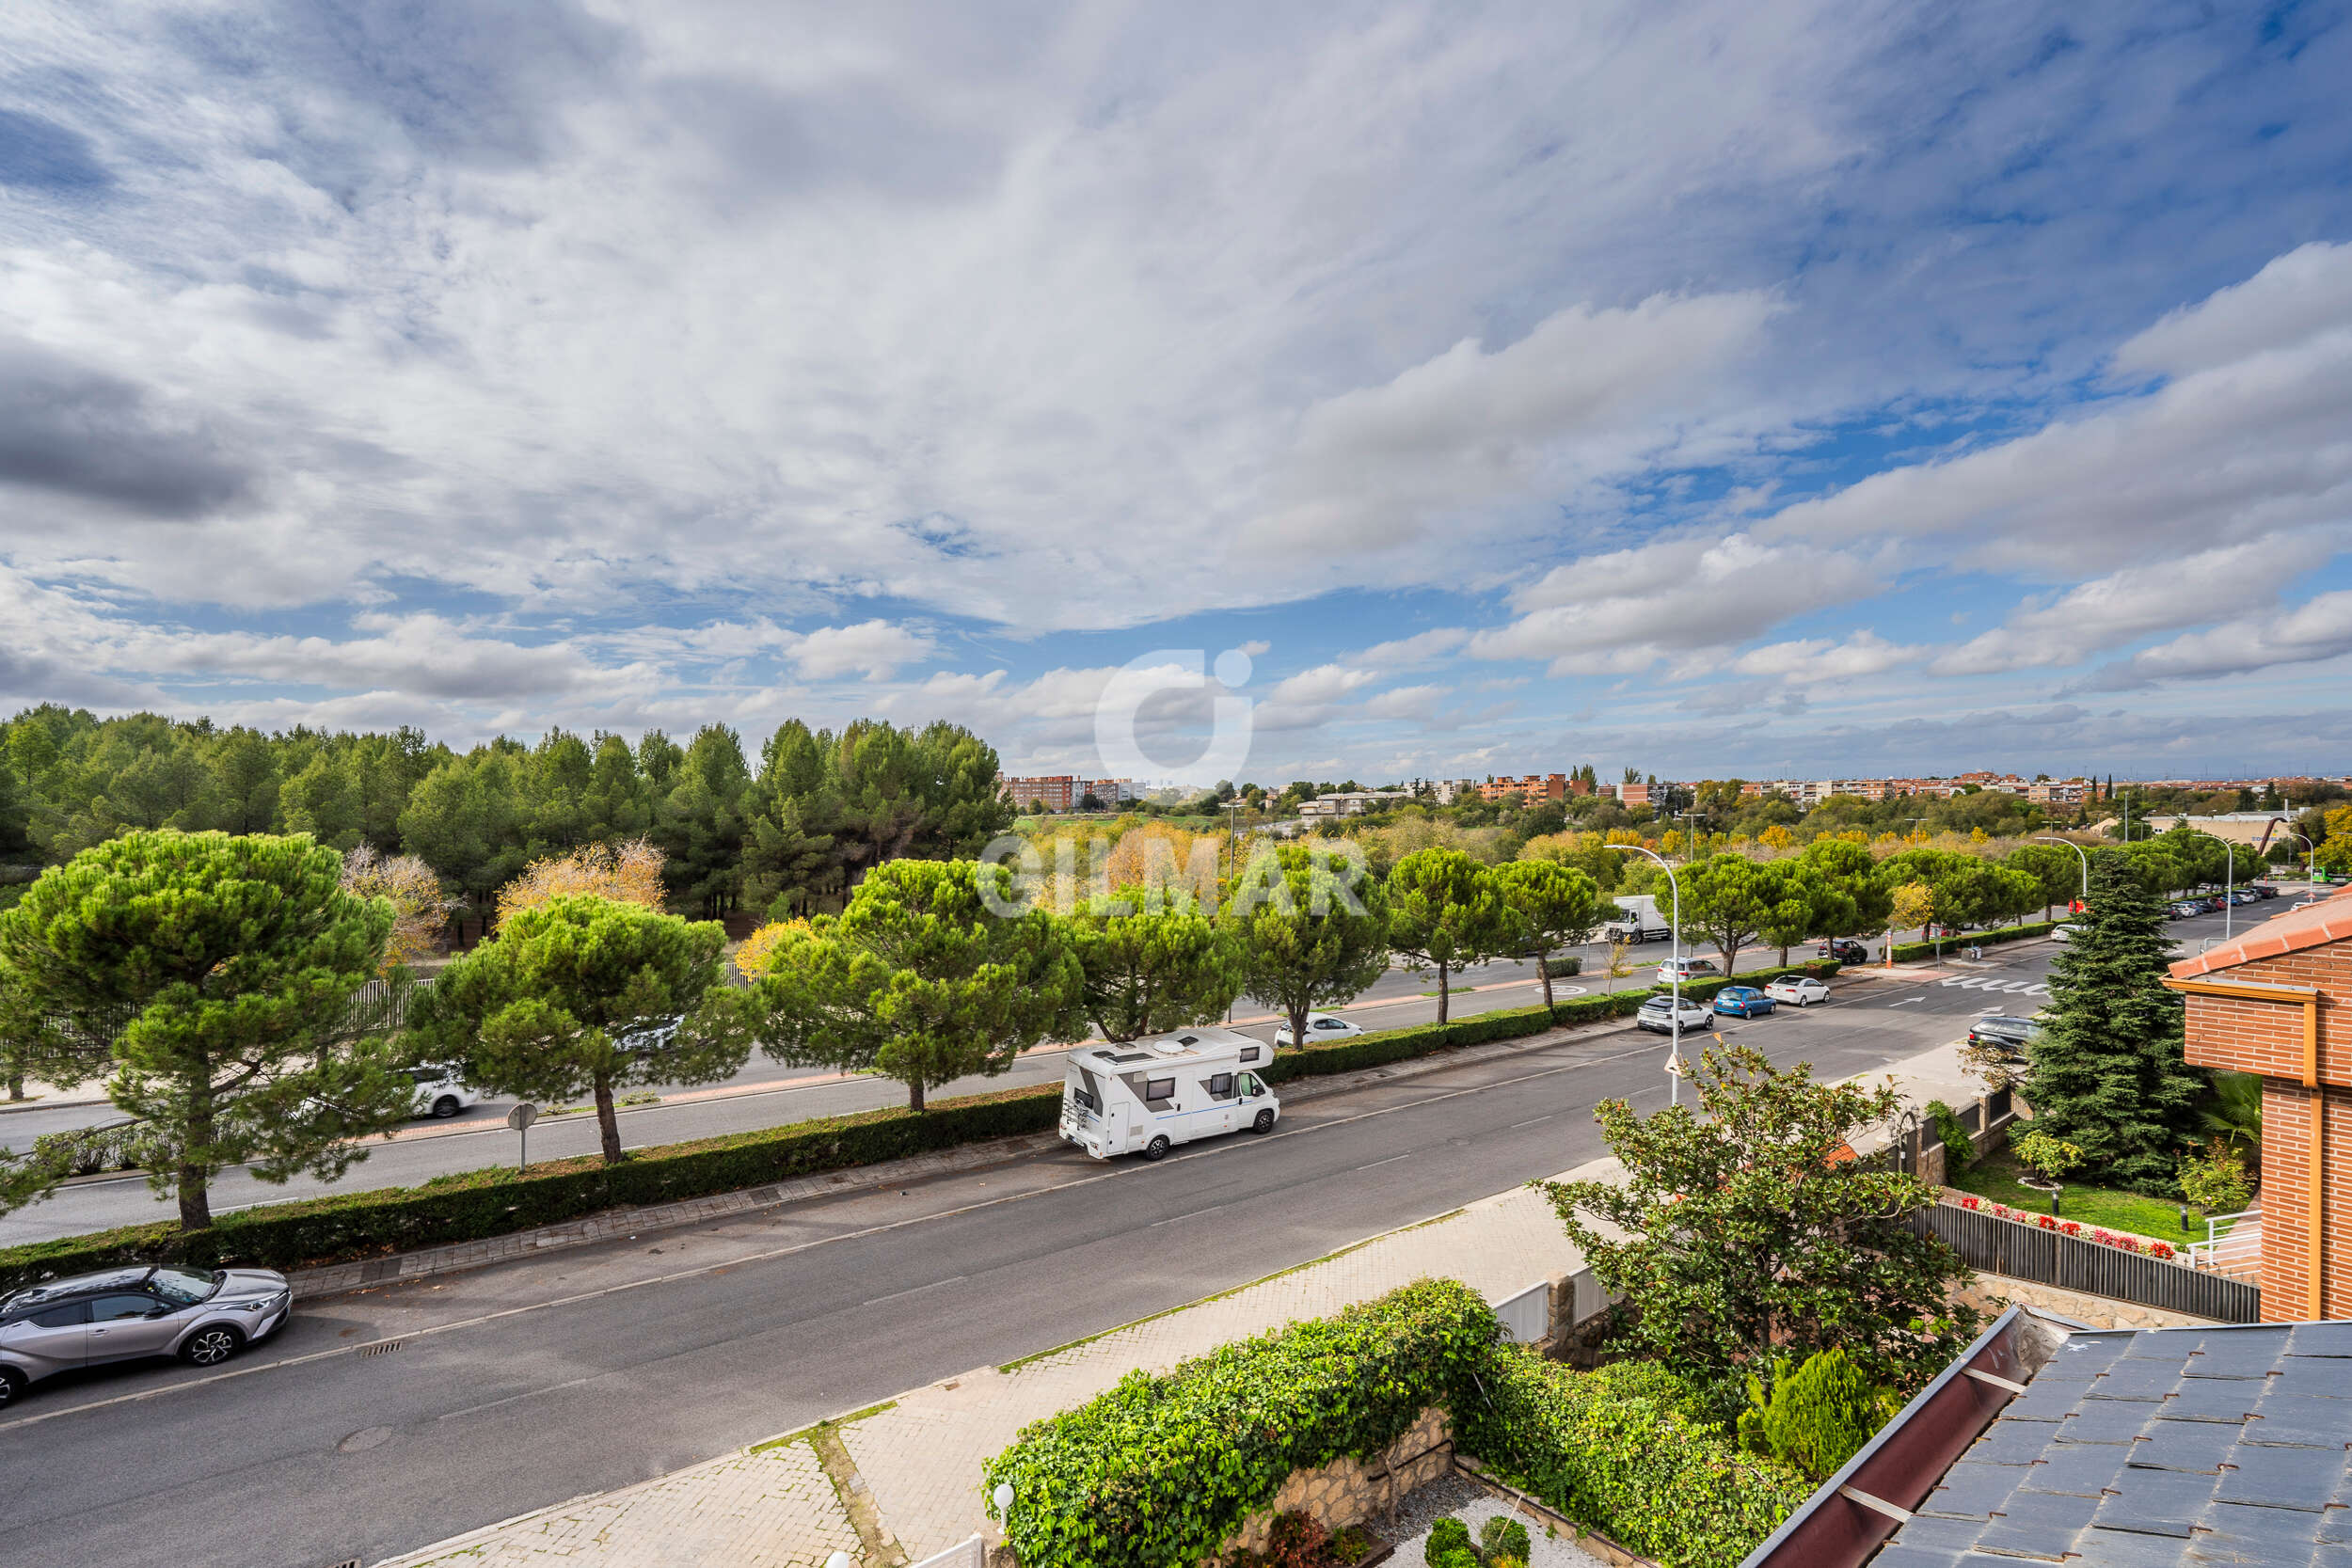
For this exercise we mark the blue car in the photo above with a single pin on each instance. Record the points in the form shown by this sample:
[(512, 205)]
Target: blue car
[(1742, 1001)]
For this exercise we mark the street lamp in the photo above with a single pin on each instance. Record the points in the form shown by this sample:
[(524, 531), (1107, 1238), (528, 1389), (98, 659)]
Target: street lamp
[(1673, 1051), (1233, 831), (2052, 838), (2309, 851)]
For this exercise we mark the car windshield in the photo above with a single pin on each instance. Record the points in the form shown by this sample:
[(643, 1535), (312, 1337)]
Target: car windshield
[(183, 1287)]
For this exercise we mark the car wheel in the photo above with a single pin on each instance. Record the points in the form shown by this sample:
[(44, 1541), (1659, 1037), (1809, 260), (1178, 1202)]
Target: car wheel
[(1157, 1149), (1262, 1123), (11, 1386), (445, 1107), (210, 1347)]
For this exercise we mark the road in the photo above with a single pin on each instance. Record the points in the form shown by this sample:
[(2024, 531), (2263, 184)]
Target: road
[(528, 1383), (765, 1094)]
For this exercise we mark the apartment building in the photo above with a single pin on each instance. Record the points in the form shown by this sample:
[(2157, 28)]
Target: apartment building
[(1533, 788), (1353, 802), (1063, 791)]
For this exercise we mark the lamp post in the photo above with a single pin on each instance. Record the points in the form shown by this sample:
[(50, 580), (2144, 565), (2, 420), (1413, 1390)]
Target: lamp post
[(2229, 896), (2052, 838), (2309, 851), (1673, 1051)]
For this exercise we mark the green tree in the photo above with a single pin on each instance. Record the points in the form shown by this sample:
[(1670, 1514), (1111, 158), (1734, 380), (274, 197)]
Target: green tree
[(1446, 911), (219, 978), (1557, 908), (700, 825), (1744, 1230), (588, 995), (1805, 903), (1310, 930), (2107, 1072), (1855, 872), (1151, 961), (1726, 900), (922, 979), (2055, 872)]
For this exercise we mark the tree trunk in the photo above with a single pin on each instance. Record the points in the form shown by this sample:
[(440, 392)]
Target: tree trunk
[(1441, 993), (15, 1085), (1543, 967), (608, 1122), (196, 1199), (1784, 957), (1298, 1027), (914, 1095)]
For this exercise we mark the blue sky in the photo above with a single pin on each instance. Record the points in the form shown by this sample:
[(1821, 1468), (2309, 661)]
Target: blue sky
[(1760, 389)]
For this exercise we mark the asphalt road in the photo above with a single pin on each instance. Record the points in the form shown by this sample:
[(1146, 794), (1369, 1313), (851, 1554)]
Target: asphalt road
[(521, 1385), (765, 1094)]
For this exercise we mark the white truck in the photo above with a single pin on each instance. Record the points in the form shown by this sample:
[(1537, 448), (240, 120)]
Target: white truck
[(1637, 921), (1145, 1097)]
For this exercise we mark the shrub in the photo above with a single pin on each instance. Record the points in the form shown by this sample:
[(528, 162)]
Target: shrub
[(1907, 952), (1447, 1537), (1163, 1469), (1502, 1536), (1959, 1150), (1626, 1464), (1296, 1541), (1816, 1416), (1352, 1546)]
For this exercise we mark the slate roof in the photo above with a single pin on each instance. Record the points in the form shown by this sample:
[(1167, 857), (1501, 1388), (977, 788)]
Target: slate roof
[(2157, 1448), (2305, 925)]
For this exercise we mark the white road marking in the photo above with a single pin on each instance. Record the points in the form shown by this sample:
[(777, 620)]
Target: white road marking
[(1389, 1161), (1533, 1121), (914, 1289)]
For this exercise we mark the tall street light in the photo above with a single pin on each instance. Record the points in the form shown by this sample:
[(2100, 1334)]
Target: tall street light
[(1673, 1051), (2052, 838)]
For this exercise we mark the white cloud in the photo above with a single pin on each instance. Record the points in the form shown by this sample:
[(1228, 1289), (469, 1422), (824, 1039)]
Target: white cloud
[(1407, 652), (2298, 296), (2319, 629), (1865, 653), (876, 648), (1408, 702)]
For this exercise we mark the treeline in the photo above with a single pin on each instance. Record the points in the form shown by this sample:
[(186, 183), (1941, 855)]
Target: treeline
[(788, 833)]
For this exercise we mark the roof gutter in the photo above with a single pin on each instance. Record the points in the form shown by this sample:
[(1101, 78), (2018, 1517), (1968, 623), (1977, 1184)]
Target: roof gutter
[(1854, 1512)]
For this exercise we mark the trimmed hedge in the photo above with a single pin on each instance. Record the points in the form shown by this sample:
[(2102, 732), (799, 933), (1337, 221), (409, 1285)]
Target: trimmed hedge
[(1906, 952), (1164, 1470), (475, 1205), (1617, 1450)]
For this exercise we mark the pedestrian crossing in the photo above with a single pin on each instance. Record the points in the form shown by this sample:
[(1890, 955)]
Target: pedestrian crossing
[(2015, 988)]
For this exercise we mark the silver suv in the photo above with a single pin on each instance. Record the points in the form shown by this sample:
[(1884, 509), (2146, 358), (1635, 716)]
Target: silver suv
[(203, 1316)]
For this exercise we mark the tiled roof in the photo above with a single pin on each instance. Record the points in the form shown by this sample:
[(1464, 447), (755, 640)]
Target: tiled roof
[(2156, 1447), (2305, 925)]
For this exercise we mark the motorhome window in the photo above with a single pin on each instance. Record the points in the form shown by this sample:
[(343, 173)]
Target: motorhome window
[(1091, 1095), (1159, 1092), (1221, 1086), (1248, 1052), (1128, 1056)]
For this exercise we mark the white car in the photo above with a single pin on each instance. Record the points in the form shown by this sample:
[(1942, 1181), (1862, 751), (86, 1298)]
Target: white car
[(1692, 970), (1320, 1027), (1798, 991), (1658, 1016), (2063, 931), (440, 1093)]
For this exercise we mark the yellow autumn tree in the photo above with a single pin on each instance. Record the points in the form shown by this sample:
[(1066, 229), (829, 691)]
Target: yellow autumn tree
[(1777, 838), (628, 872), (753, 952), (418, 905)]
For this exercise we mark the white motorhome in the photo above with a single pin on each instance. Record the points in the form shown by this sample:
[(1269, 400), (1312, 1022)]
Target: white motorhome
[(1638, 920), (1145, 1097)]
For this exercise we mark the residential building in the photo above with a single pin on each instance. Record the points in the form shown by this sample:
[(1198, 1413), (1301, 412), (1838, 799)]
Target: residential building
[(1351, 803), (2057, 792), (2274, 1002), (1534, 787), (1054, 791)]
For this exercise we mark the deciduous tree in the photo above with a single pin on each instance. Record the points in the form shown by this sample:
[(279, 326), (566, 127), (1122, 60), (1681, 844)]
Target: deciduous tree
[(627, 873)]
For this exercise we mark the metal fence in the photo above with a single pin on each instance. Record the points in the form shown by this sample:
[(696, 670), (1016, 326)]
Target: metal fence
[(1527, 1316), (1994, 1245)]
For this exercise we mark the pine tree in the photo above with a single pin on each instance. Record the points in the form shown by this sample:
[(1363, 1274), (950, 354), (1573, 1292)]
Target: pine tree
[(2109, 1075)]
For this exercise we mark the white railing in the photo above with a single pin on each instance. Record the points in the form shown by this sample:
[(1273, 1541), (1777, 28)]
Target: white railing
[(2200, 1253), (968, 1552), (1527, 1316)]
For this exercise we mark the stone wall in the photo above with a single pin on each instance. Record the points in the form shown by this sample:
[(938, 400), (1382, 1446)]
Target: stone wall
[(1992, 1294), (1356, 1492)]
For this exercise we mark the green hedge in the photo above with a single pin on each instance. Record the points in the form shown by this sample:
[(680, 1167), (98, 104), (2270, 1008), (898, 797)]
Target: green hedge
[(1618, 1450), (476, 1205), (1906, 952), (1162, 1470)]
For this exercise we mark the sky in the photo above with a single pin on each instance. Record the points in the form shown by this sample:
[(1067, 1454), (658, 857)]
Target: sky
[(1769, 388)]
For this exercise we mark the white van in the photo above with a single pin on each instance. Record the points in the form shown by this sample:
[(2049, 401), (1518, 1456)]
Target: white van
[(1145, 1097)]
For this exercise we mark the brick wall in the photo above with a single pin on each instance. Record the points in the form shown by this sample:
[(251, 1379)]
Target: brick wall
[(2244, 1035), (2287, 1203)]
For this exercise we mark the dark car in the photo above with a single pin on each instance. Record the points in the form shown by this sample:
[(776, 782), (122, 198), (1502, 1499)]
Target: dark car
[(2263, 890), (2009, 1034), (1844, 951)]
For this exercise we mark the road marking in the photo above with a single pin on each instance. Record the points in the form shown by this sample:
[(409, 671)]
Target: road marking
[(252, 1369), (915, 1290), (1516, 1125), (1389, 1161), (526, 1394), (1173, 1218), (1908, 1002)]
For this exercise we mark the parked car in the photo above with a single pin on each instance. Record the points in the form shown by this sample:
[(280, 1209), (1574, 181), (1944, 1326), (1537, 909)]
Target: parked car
[(2184, 908), (1742, 1001), (1691, 970), (1798, 991), (2216, 902), (1657, 1015), (2062, 931), (2263, 890), (441, 1093), (203, 1316), (2013, 1036), (1320, 1027), (1844, 950), (2243, 896)]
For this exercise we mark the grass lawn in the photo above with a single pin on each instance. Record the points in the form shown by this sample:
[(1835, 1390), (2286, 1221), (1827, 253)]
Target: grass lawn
[(1995, 1175)]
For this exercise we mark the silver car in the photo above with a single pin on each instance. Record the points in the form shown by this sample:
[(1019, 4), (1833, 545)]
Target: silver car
[(203, 1316)]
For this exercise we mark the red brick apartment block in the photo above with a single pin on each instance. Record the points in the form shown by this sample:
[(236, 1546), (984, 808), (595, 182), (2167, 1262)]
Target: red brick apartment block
[(2273, 1003)]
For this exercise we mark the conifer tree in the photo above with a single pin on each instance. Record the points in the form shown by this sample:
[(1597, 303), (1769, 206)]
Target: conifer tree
[(2109, 1075)]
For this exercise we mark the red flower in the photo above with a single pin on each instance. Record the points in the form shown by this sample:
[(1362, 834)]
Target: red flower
[(2045, 1222), (2161, 1250)]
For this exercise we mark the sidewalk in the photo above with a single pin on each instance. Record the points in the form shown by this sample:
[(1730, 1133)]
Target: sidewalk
[(904, 1476)]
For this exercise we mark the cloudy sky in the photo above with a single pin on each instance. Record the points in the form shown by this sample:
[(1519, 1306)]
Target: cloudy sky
[(1766, 388)]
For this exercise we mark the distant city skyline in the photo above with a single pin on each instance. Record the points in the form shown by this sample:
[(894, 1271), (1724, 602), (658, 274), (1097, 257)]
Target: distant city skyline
[(1817, 388)]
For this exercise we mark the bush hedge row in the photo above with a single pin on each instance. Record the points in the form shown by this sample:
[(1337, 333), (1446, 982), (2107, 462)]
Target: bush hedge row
[(1163, 1470), (476, 1205), (1620, 1451), (1907, 952)]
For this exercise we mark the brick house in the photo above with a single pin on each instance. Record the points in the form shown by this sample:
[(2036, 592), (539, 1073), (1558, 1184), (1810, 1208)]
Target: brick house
[(2272, 1002)]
